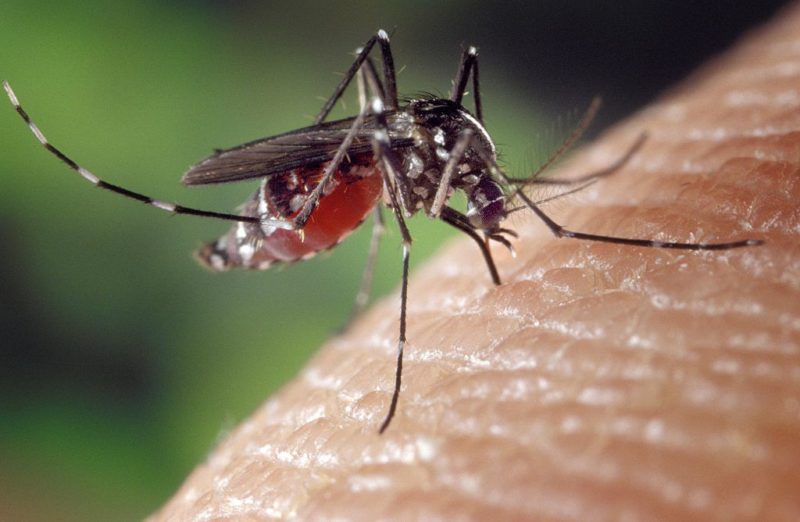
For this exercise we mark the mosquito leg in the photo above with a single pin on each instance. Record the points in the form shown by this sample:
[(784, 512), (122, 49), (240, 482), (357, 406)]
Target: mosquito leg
[(313, 198), (459, 221), (582, 182), (364, 288), (172, 208), (455, 218), (389, 79), (443, 190), (567, 144), (364, 71), (401, 339), (361, 81), (348, 77), (611, 169), (398, 183), (476, 92), (388, 75), (372, 80), (468, 63), (389, 166), (367, 78), (365, 74), (378, 226), (560, 231), (368, 82)]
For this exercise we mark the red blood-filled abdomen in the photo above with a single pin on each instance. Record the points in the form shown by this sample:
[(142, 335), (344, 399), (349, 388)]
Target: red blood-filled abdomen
[(351, 195)]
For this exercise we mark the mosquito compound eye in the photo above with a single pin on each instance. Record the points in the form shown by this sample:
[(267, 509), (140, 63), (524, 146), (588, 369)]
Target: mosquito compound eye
[(486, 204)]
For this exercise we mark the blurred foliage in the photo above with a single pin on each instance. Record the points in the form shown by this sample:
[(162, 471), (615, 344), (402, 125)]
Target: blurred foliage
[(123, 361)]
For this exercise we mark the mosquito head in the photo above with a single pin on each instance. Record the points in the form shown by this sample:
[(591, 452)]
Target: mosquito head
[(486, 204)]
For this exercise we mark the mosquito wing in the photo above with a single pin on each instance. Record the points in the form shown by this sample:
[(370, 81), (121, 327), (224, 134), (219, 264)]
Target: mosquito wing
[(300, 148)]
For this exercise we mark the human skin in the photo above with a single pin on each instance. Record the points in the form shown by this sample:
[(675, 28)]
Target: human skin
[(599, 381)]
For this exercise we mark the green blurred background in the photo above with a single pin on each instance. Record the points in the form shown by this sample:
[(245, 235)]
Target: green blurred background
[(122, 362)]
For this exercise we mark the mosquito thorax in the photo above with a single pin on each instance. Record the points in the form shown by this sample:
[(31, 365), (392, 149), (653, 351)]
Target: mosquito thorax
[(436, 126), (445, 121)]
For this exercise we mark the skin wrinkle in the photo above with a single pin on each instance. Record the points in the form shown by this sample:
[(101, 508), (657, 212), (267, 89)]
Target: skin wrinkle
[(600, 382)]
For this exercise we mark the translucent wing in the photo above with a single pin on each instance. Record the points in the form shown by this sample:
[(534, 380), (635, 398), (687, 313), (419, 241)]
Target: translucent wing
[(300, 148)]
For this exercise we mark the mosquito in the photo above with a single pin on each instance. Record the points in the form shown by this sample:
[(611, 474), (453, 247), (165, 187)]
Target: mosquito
[(319, 183)]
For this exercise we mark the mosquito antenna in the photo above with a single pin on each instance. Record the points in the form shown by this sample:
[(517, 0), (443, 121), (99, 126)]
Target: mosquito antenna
[(606, 171), (556, 196), (576, 134)]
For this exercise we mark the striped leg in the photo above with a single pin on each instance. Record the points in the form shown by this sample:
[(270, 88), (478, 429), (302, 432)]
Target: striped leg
[(394, 183), (559, 231), (172, 208), (389, 86), (468, 64)]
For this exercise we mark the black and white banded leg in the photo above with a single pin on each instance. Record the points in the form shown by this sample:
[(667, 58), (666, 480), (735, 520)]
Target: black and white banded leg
[(172, 208), (388, 91), (456, 154), (390, 83), (368, 82), (313, 198), (562, 232), (459, 221), (468, 64), (456, 219), (391, 171)]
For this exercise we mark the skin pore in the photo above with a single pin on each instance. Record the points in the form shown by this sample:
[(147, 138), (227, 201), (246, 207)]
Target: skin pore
[(600, 381)]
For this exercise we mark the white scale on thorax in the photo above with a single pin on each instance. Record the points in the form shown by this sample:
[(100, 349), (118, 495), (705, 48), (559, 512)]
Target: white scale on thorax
[(438, 137), (481, 129)]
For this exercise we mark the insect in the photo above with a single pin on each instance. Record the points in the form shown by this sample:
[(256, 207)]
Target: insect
[(317, 184)]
